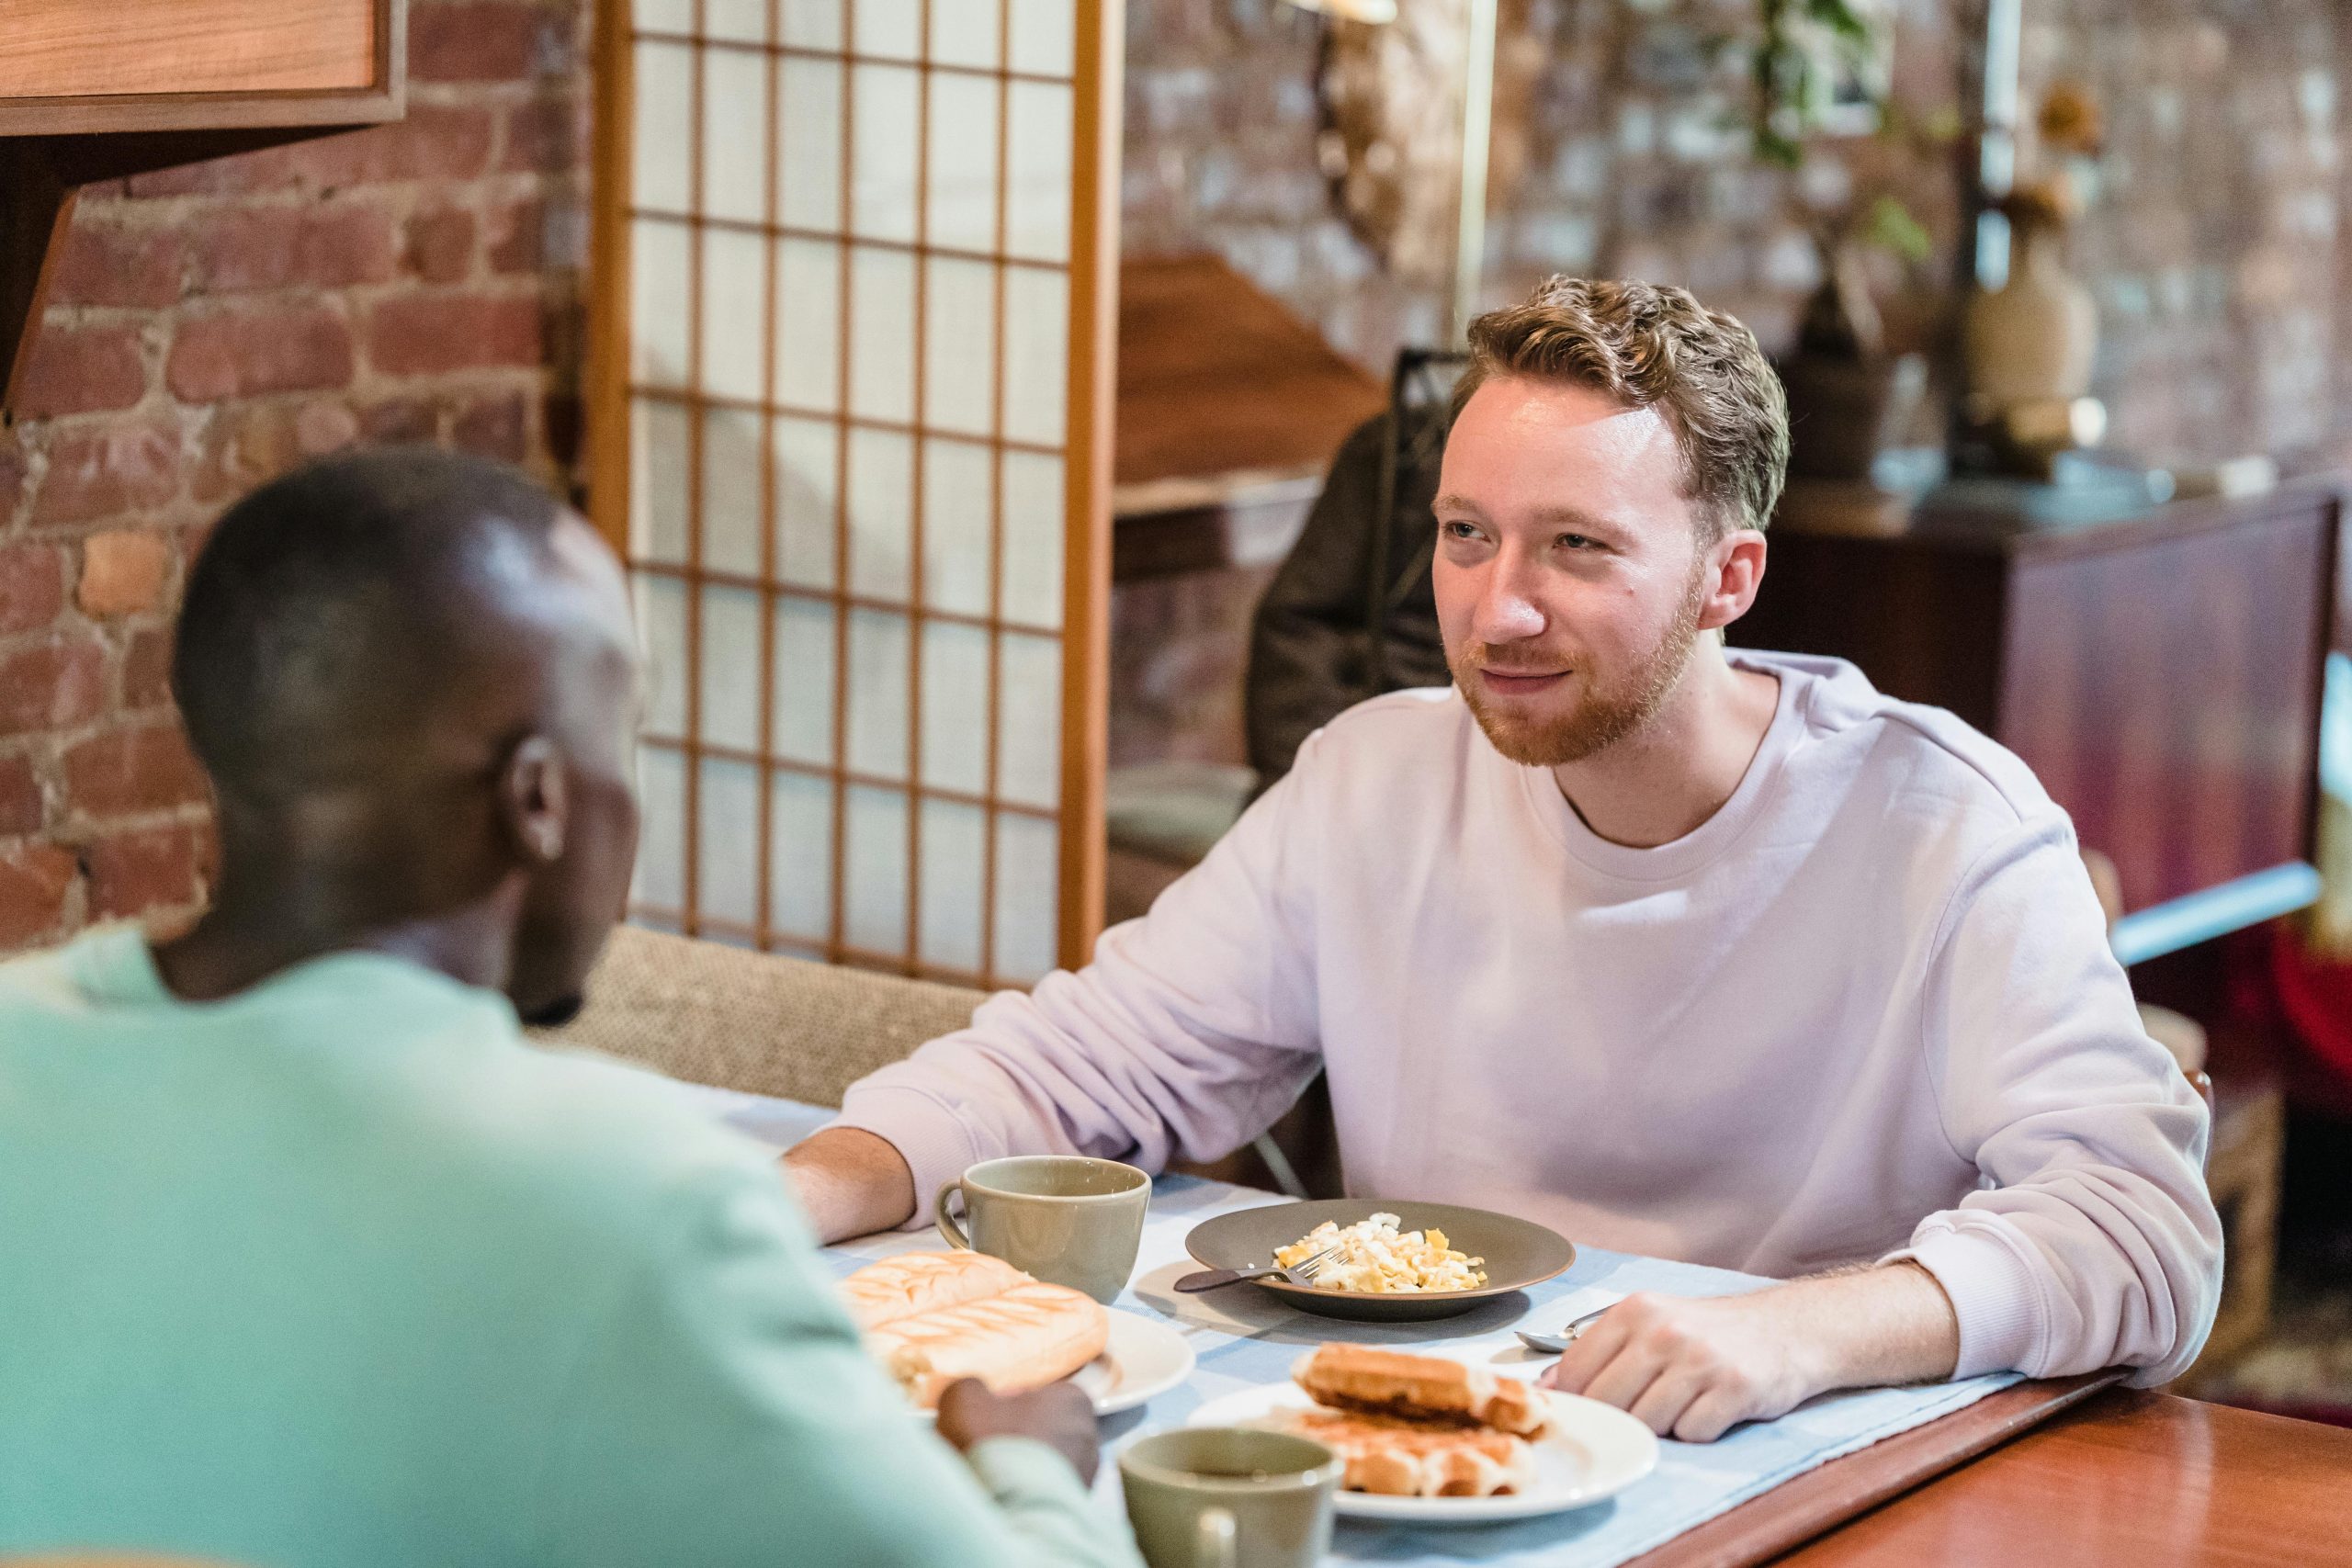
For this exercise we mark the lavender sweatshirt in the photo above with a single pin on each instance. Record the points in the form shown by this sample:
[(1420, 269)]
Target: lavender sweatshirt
[(1865, 1011)]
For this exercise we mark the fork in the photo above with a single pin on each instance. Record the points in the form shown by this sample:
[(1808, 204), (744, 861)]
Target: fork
[(1553, 1344), (1302, 1274)]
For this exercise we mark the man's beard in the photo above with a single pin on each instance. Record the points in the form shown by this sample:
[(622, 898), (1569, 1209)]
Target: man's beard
[(1607, 713)]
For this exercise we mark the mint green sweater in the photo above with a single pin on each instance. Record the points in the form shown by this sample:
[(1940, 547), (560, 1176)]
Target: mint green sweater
[(340, 1273)]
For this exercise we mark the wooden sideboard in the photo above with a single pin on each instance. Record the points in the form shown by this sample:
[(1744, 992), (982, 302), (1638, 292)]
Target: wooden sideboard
[(2161, 675)]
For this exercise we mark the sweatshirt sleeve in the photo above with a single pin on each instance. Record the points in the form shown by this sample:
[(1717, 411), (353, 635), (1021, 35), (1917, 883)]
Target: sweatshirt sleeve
[(1193, 1030), (2093, 1241), (722, 1412)]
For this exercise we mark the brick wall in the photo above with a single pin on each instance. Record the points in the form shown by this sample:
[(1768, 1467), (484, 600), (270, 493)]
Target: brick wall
[(214, 325)]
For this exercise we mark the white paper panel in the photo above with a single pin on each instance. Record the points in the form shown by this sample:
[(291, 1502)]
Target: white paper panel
[(730, 490), (812, 24), (731, 667), (735, 134), (955, 477), (807, 519), (663, 16), (878, 656), (661, 833), (954, 707), (875, 883), (744, 20), (1044, 36), (890, 29), (661, 624), (962, 169), (803, 681), (734, 312), (657, 473), (1028, 878), (881, 500), (1036, 539), (726, 852), (965, 32), (883, 113), (959, 344), (807, 325), (953, 838), (1029, 721), (659, 282), (808, 133), (881, 341), (1036, 214), (1037, 354), (662, 174), (800, 864)]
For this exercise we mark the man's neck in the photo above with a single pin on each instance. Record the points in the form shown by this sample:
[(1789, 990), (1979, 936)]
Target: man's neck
[(1665, 780), (241, 941)]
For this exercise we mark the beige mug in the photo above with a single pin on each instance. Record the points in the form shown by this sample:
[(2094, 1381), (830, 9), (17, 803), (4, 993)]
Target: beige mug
[(1229, 1497), (1064, 1218)]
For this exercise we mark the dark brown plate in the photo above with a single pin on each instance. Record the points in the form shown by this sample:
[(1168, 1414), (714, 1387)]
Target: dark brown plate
[(1518, 1253)]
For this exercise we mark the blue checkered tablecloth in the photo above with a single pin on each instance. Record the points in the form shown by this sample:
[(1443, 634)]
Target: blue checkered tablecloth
[(1245, 1339)]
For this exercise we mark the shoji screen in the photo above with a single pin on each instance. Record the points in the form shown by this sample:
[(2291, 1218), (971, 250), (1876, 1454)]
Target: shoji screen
[(851, 427)]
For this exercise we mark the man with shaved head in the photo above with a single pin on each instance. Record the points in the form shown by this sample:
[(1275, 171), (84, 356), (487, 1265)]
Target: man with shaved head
[(306, 1259)]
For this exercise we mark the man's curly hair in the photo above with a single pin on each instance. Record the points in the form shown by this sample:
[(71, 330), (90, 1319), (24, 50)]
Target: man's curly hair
[(1653, 345)]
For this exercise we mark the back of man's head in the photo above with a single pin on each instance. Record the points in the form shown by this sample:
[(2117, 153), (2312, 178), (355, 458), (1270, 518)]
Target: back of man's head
[(411, 675)]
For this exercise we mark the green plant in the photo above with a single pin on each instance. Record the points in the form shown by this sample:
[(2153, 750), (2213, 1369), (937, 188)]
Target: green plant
[(1811, 54)]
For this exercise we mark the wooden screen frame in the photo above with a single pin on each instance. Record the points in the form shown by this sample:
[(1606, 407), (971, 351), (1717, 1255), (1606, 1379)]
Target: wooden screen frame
[(1096, 107)]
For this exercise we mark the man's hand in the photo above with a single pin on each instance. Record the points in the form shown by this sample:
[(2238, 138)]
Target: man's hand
[(1059, 1415), (850, 1183), (1694, 1369)]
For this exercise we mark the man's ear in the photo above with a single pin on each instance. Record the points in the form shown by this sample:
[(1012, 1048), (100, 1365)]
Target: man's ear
[(532, 799), (1735, 570)]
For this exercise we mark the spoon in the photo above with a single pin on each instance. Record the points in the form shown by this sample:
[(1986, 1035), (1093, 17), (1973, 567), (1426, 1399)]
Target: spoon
[(1551, 1344)]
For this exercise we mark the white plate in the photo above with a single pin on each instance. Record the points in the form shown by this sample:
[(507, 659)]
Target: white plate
[(1593, 1450), (1144, 1358)]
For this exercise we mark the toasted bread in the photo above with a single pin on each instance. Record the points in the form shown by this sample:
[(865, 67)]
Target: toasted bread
[(996, 1324), (1430, 1388), (1402, 1458), (924, 1281)]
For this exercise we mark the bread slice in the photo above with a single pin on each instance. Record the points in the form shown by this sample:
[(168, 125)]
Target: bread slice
[(1401, 1458), (924, 1281), (1022, 1338), (1362, 1378)]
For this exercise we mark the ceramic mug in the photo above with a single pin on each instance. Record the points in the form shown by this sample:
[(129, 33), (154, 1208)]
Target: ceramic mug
[(1229, 1497), (1064, 1218)]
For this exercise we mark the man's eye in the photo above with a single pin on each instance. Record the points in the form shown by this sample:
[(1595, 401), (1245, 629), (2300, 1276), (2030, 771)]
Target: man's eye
[(1459, 530), (1576, 542)]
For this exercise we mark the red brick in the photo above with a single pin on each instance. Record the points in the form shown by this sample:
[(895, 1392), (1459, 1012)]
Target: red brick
[(515, 235), (154, 868), (495, 427), (12, 477), (20, 803), (545, 135), (52, 684), (35, 881), (147, 668), (246, 447), (240, 354), (429, 143), (274, 247), (440, 245), (31, 586), (81, 370), (123, 572), (99, 473), (144, 767), (483, 41), (400, 421), (105, 264), (425, 333)]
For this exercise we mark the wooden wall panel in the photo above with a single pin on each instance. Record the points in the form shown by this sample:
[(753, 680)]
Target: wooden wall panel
[(54, 48)]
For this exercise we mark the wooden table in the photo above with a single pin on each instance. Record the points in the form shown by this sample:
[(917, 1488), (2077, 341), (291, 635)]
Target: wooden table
[(2130, 1479)]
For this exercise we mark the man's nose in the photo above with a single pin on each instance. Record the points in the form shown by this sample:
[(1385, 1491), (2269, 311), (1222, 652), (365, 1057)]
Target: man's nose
[(1506, 609)]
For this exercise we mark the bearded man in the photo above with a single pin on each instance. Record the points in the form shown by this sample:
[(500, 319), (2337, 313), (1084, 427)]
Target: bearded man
[(1713, 955)]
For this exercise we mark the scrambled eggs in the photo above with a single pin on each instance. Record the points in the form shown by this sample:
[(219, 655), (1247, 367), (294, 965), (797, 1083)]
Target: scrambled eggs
[(1373, 1257)]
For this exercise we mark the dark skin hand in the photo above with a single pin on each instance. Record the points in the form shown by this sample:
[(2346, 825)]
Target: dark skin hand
[(1058, 1415)]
